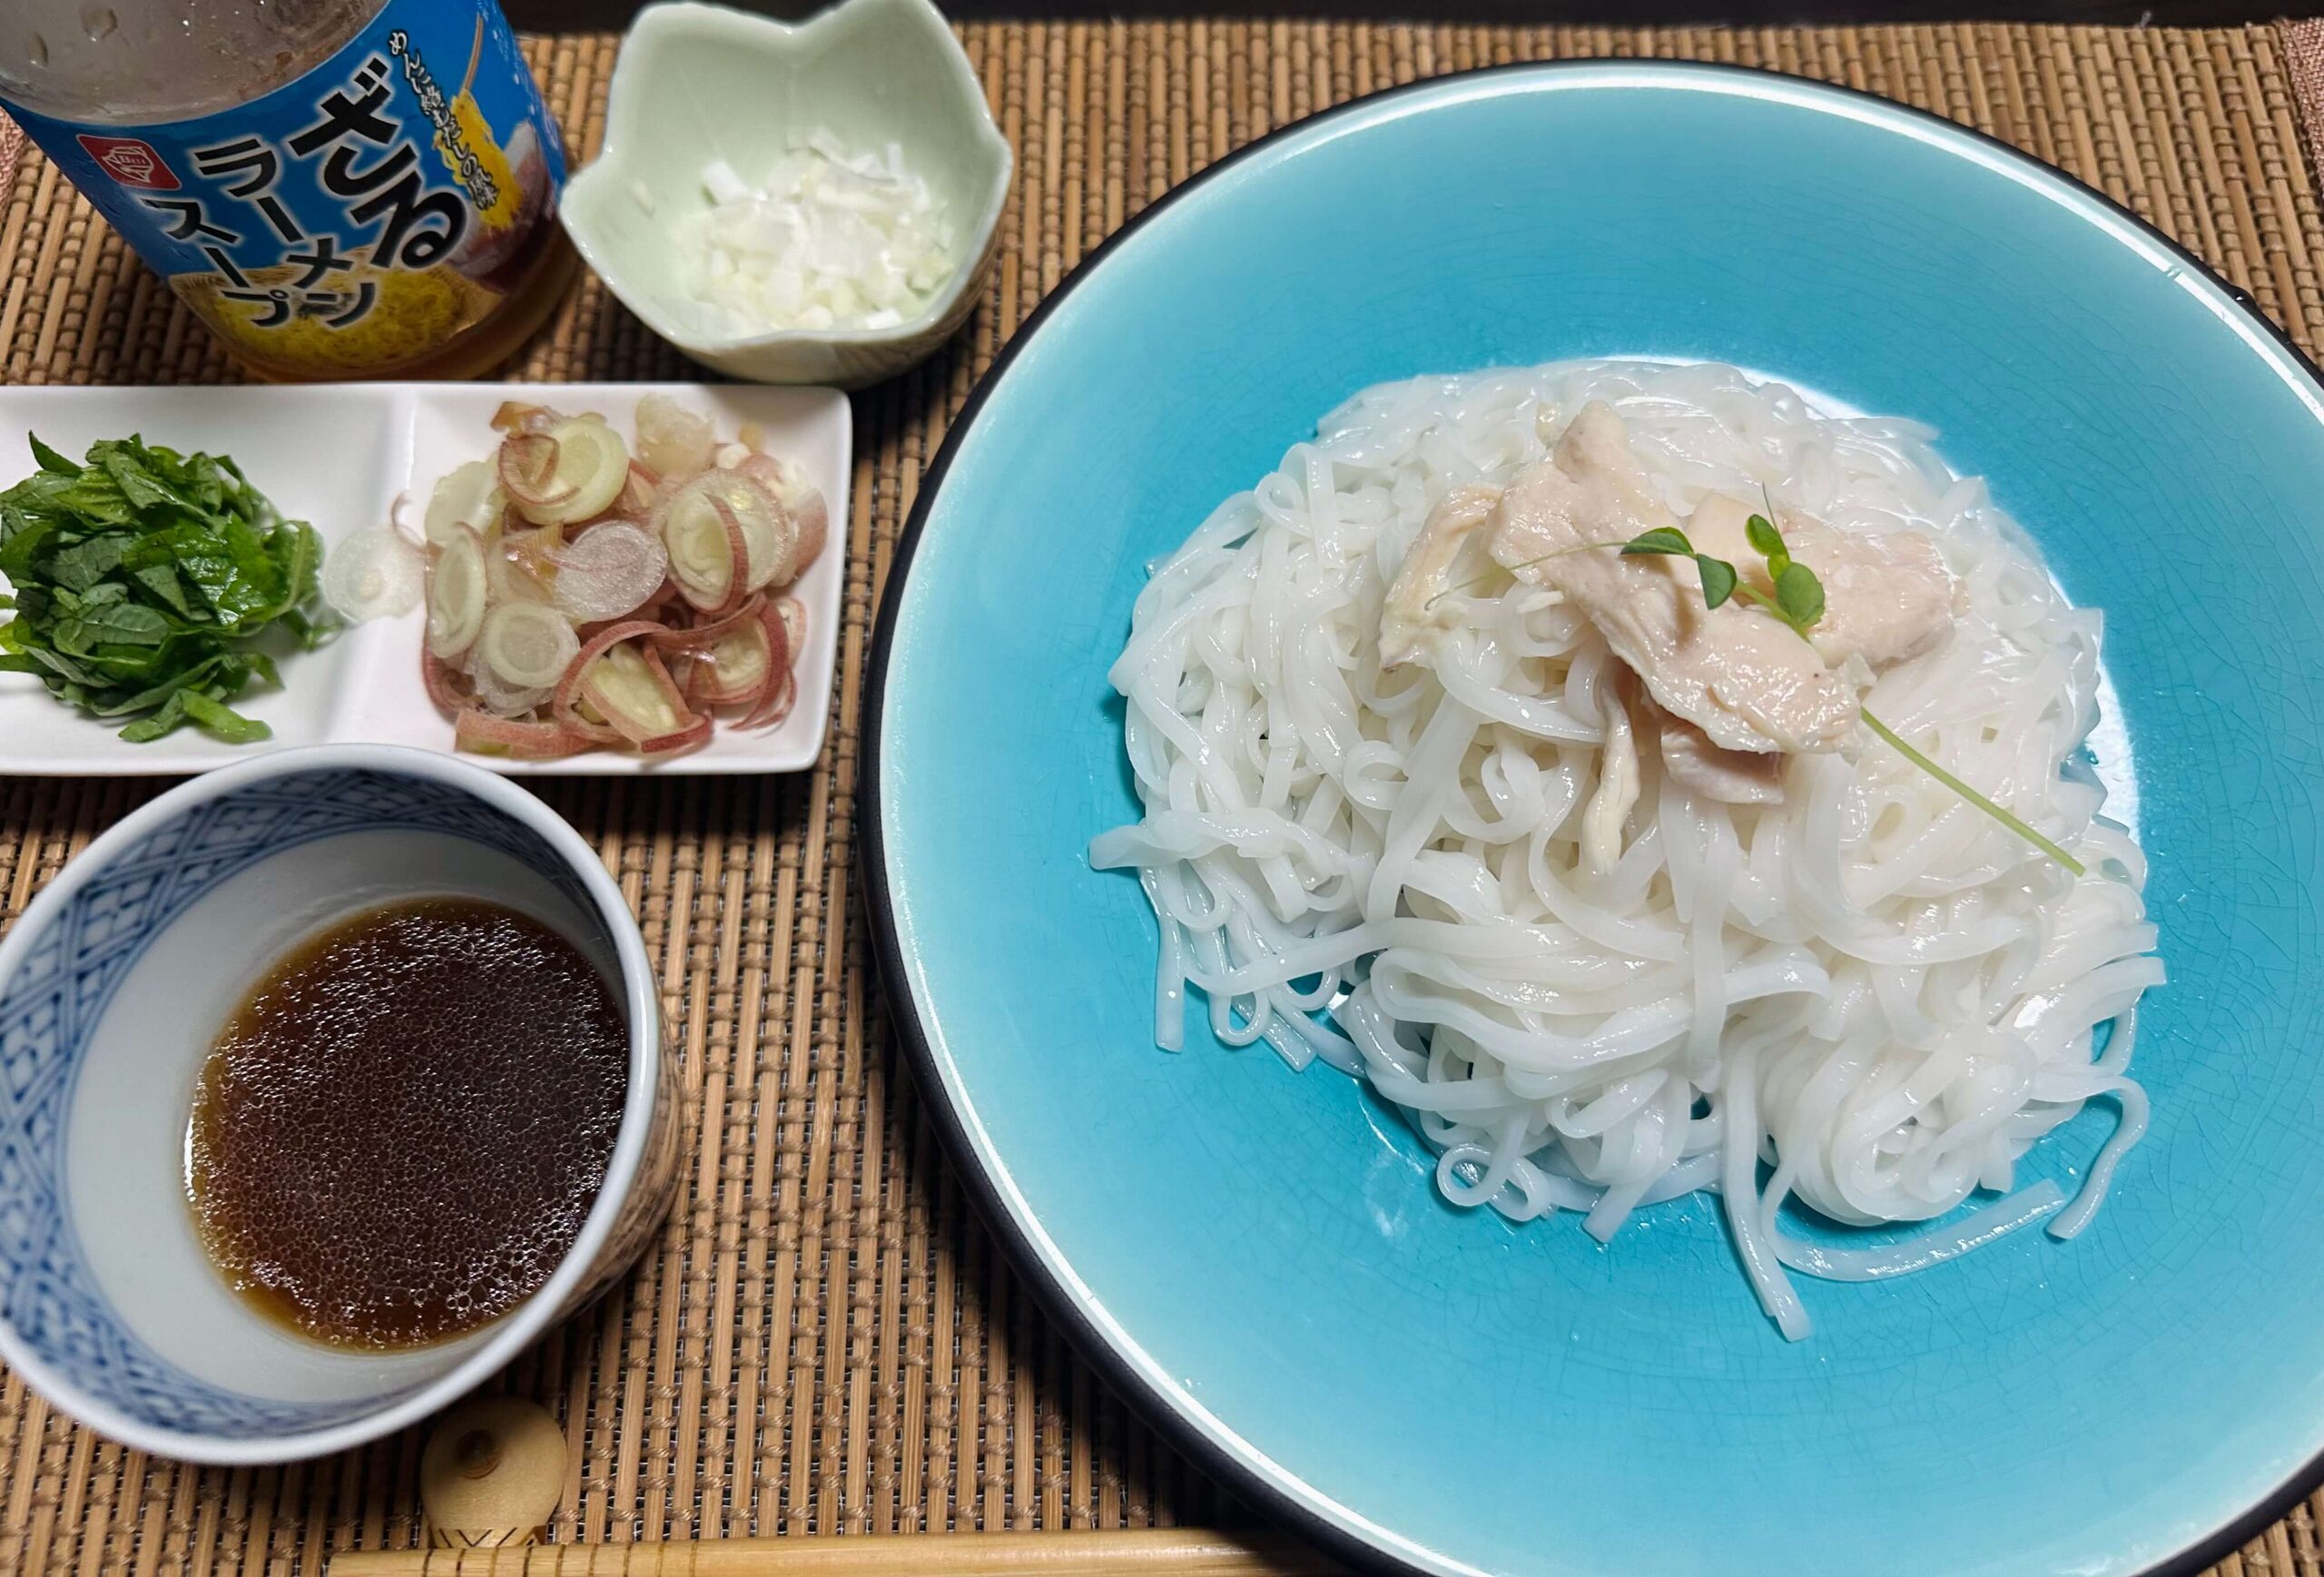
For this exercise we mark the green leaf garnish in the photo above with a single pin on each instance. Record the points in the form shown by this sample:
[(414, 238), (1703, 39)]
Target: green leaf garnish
[(223, 720), (142, 578), (1666, 539), (1798, 602), (1800, 596), (49, 459)]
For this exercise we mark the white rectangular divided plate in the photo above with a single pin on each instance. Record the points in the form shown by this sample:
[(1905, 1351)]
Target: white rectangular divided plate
[(337, 455)]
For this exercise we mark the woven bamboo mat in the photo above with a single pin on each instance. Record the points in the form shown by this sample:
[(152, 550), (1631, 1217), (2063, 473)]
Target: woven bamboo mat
[(823, 1339)]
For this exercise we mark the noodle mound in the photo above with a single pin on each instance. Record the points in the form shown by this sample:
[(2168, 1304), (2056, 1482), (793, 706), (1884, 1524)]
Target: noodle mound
[(1869, 997)]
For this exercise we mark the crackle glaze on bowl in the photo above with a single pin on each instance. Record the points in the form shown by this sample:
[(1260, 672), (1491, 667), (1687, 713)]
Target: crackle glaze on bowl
[(1258, 1257)]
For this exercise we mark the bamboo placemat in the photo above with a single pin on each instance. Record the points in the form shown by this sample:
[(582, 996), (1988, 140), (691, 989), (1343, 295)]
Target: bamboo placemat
[(823, 1339)]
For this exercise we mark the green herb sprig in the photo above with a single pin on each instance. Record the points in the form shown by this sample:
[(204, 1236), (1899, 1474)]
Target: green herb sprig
[(147, 585), (1897, 744), (1798, 603)]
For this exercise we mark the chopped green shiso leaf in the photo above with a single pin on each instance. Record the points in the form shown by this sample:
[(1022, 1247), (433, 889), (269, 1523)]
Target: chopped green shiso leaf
[(144, 583)]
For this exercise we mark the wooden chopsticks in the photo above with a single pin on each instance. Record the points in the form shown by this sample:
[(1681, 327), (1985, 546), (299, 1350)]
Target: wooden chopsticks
[(1088, 1552)]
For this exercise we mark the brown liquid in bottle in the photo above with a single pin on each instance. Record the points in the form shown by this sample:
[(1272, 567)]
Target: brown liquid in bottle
[(399, 1133)]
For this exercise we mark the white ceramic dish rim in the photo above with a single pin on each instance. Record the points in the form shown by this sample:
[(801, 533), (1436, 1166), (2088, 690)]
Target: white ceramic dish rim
[(640, 1001), (794, 744), (747, 29)]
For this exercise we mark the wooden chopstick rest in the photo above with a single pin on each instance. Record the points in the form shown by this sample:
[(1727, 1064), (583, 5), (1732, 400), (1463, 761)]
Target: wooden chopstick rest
[(491, 1474)]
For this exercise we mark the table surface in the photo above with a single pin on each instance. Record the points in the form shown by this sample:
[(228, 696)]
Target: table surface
[(823, 1339), (567, 16)]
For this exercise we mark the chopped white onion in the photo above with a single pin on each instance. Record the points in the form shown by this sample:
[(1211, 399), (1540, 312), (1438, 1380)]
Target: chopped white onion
[(831, 238), (718, 179), (373, 574)]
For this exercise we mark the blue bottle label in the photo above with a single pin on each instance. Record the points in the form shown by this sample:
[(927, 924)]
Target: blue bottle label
[(356, 218)]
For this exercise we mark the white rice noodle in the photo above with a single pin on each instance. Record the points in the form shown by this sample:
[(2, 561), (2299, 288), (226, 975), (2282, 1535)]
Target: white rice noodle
[(1868, 998)]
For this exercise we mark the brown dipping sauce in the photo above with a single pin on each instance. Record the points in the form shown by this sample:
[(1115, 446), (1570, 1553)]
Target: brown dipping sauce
[(399, 1133)]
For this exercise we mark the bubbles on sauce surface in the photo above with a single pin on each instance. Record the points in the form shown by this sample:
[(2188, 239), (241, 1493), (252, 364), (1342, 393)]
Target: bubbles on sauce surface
[(401, 1132)]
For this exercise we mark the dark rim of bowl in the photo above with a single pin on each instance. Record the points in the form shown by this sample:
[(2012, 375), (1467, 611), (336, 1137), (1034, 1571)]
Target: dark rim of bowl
[(1247, 1484)]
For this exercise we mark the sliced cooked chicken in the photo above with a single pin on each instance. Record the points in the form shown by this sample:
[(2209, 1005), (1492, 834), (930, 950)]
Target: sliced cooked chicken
[(1408, 620), (1732, 777), (1885, 599), (1744, 679), (1618, 781)]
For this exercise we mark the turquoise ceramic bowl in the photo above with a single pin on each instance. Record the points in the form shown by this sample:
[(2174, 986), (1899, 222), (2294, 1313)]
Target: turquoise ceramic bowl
[(1256, 1257)]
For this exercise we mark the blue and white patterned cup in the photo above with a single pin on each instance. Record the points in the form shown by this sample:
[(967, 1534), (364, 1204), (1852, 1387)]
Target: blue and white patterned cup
[(113, 986)]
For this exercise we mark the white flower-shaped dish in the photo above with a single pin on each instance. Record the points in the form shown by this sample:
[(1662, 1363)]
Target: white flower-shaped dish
[(697, 82)]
